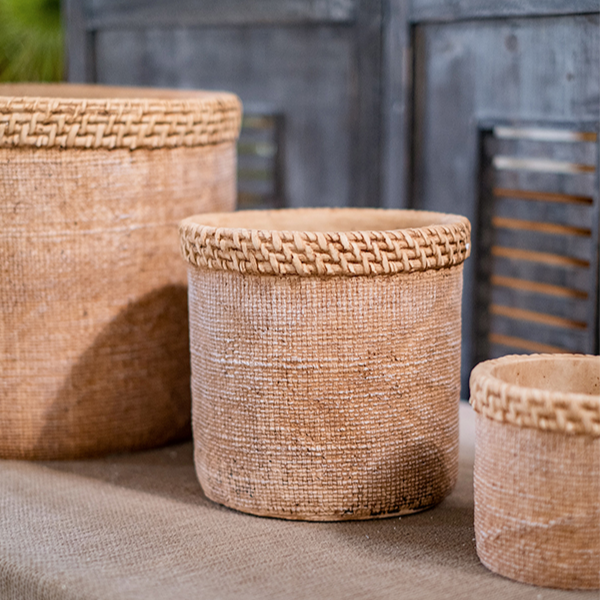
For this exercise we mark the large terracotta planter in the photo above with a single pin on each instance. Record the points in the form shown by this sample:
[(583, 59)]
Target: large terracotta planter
[(93, 313)]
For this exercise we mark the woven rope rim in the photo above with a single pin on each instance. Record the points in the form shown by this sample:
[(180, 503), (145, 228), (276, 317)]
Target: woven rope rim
[(546, 410), (111, 123), (307, 253)]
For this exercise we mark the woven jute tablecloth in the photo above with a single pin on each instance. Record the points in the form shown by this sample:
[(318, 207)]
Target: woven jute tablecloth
[(137, 526)]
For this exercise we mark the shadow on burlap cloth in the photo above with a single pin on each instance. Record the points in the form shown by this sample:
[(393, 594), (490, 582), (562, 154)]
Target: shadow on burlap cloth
[(137, 527)]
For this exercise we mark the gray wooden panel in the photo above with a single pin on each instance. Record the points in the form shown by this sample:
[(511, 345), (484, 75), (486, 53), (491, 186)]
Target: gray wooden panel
[(453, 10), (396, 105), (504, 69), (582, 154), (365, 119), (79, 43), (304, 73), (114, 14)]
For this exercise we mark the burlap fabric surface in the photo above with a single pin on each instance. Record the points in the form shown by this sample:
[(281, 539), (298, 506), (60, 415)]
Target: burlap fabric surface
[(137, 527), (326, 359), (93, 299)]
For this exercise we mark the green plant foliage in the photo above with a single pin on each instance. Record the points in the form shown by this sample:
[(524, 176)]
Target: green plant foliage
[(31, 40)]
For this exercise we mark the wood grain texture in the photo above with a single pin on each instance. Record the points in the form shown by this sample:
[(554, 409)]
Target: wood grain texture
[(342, 75), (543, 196), (366, 81), (396, 105), (79, 43), (568, 340), (542, 227), (540, 257), (550, 274), (536, 317), (454, 10), (511, 342), (303, 73), (117, 14), (536, 286), (512, 71), (546, 212)]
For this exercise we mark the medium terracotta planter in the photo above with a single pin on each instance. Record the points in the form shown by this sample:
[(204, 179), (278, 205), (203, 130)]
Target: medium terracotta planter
[(325, 359)]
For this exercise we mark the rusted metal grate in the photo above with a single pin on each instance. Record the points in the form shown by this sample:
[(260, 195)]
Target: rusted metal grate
[(537, 271), (260, 162)]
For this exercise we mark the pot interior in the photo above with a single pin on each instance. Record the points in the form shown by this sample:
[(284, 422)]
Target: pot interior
[(321, 220), (98, 92), (562, 374)]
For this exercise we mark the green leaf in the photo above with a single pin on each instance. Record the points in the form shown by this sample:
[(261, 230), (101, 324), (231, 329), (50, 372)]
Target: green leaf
[(31, 40)]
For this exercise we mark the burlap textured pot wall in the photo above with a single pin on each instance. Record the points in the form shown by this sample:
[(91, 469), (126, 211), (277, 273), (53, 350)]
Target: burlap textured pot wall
[(325, 359), (93, 338), (537, 468)]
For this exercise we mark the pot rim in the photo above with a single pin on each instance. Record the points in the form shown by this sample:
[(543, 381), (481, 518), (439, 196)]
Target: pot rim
[(109, 117), (422, 241), (524, 406)]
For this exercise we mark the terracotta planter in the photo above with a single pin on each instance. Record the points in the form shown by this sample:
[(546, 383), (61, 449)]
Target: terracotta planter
[(537, 468), (325, 359), (93, 312)]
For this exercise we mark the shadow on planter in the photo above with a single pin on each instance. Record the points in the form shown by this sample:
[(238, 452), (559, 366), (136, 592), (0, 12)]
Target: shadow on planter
[(131, 389)]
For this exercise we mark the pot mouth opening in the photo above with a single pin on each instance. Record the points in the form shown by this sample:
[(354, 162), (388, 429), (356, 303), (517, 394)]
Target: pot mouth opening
[(560, 374), (92, 92), (324, 220)]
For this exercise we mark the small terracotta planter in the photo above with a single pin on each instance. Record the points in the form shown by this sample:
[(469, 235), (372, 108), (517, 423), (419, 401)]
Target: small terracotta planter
[(325, 359), (537, 468)]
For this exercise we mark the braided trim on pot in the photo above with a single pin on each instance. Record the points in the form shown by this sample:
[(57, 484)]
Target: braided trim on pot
[(118, 123), (569, 413), (306, 253)]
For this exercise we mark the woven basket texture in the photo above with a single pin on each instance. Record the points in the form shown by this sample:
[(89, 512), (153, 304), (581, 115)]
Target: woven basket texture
[(537, 468), (94, 338), (325, 359)]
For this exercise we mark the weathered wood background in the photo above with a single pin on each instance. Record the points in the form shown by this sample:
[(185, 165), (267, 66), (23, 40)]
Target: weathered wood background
[(403, 104)]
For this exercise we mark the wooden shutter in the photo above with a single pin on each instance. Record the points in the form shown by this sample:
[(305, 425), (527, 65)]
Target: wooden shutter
[(538, 240)]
